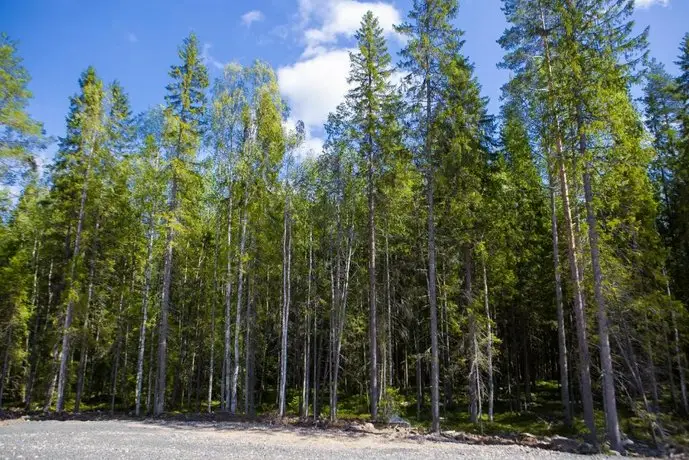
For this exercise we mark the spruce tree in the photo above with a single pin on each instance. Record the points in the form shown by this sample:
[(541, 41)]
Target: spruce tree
[(432, 42), (183, 116), (370, 70)]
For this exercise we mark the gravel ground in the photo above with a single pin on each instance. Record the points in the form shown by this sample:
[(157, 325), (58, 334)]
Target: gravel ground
[(209, 440)]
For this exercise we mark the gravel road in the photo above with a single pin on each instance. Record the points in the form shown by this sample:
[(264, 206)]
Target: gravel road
[(208, 440)]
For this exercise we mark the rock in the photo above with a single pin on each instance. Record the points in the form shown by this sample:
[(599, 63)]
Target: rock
[(627, 442), (564, 444), (614, 453), (398, 421), (587, 448)]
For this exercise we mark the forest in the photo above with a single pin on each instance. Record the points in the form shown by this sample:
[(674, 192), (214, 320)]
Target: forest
[(435, 262)]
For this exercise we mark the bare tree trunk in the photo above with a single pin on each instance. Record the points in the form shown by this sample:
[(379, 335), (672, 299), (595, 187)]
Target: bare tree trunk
[(31, 337), (388, 299), (53, 382), (610, 403), (655, 392), (118, 350), (286, 290), (149, 390), (419, 380), (561, 332), (584, 356), (69, 313), (227, 355), (629, 357), (238, 318), (432, 298), (83, 358), (372, 314), (474, 370), (306, 391), (5, 363), (159, 406), (340, 304), (678, 357), (83, 361), (489, 346), (316, 361), (144, 319), (249, 352), (211, 358)]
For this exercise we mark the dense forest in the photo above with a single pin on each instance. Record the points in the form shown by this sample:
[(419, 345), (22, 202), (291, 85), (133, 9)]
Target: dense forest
[(434, 261)]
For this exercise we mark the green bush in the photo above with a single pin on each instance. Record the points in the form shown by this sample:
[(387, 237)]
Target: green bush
[(391, 404)]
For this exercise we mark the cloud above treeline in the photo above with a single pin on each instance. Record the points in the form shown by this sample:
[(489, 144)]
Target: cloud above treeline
[(317, 82), (643, 4), (252, 16)]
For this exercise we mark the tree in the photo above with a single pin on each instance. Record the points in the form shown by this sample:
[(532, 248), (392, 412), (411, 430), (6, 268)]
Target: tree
[(369, 74), (432, 41), (183, 114), (20, 135), (78, 151)]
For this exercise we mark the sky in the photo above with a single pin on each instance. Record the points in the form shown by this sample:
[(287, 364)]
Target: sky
[(306, 41)]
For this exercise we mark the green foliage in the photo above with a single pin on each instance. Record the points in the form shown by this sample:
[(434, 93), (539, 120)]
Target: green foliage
[(215, 180)]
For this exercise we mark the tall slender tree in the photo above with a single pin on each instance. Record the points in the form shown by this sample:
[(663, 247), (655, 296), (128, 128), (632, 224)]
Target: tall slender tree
[(370, 71), (432, 41), (183, 115)]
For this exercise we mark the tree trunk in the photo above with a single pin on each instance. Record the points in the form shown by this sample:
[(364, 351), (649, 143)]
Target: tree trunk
[(432, 301), (118, 350), (249, 352), (341, 293), (5, 363), (238, 318), (474, 370), (159, 406), (561, 332), (69, 313), (577, 292), (211, 358), (286, 291), (610, 404), (305, 393), (144, 319), (227, 360), (678, 357), (388, 299), (489, 346), (83, 361), (372, 314)]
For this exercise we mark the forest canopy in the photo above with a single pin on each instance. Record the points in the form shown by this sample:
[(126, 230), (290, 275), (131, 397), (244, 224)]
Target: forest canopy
[(435, 261)]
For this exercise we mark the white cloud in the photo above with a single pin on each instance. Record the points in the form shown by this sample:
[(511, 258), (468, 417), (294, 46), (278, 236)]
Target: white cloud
[(131, 36), (317, 82), (643, 4), (251, 17), (315, 86), (312, 146), (208, 59), (341, 18)]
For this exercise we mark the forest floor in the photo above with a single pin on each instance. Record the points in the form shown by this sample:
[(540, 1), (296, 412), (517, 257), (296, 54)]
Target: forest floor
[(536, 432), (173, 438)]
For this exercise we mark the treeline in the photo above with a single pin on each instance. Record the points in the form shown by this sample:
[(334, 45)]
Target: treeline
[(194, 258)]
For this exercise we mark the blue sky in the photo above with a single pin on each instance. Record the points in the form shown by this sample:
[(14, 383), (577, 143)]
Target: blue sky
[(135, 42)]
